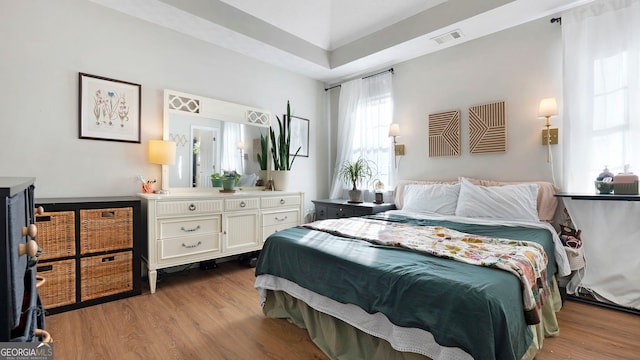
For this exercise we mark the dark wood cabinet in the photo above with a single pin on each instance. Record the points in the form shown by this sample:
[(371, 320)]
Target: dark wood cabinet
[(93, 250), (339, 208)]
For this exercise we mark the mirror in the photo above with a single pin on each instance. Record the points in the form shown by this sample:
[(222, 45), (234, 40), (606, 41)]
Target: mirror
[(212, 136)]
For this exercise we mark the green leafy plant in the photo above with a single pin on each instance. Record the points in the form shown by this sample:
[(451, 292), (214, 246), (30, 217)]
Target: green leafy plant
[(262, 157), (280, 149), (356, 172)]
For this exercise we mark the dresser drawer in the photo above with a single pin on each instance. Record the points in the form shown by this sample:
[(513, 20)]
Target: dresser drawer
[(188, 245), (282, 217), (171, 228), (280, 201), (272, 229), (170, 208), (241, 204)]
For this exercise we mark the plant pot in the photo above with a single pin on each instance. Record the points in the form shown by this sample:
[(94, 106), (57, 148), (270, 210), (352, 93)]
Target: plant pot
[(355, 196), (280, 179), (216, 182), (228, 183)]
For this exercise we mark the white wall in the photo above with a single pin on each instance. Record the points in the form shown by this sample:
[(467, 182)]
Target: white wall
[(46, 43), (521, 66)]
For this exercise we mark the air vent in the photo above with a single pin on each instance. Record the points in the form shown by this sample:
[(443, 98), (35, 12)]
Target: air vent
[(452, 35)]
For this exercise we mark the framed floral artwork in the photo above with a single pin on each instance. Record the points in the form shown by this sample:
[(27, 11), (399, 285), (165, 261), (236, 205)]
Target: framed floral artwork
[(109, 109)]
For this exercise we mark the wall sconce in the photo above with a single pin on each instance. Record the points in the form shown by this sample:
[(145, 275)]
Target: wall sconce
[(398, 149), (163, 153), (548, 108)]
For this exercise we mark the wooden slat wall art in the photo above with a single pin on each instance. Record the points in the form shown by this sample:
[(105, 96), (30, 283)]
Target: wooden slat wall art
[(444, 134), (488, 128)]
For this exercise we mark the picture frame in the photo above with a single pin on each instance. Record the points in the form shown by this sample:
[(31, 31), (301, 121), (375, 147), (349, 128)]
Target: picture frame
[(299, 136), (109, 109)]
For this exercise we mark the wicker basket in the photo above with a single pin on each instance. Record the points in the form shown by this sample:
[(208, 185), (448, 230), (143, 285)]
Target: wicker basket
[(56, 234), (576, 258), (59, 287), (106, 229), (106, 275)]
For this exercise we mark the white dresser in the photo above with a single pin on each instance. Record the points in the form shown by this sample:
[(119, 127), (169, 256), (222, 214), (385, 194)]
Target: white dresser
[(198, 225)]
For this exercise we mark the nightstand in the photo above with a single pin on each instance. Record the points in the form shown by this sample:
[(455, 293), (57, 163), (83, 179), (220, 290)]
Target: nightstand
[(340, 208)]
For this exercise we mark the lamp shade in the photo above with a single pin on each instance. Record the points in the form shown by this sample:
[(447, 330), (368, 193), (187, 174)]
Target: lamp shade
[(162, 152), (394, 129), (548, 107)]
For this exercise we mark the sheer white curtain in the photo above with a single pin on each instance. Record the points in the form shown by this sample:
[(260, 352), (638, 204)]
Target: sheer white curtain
[(230, 154), (365, 110), (601, 91), (602, 127)]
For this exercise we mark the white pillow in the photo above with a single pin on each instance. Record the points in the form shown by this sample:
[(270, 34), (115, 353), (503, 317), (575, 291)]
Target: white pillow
[(509, 202), (433, 198)]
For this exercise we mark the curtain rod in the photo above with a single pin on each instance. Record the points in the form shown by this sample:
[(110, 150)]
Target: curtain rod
[(364, 77)]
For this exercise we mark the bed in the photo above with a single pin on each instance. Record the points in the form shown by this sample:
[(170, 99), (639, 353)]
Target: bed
[(363, 290)]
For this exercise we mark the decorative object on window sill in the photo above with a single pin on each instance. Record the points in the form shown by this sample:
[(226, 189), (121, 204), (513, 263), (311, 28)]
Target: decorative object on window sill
[(604, 181), (548, 108), (444, 134), (109, 109), (625, 183), (488, 128), (163, 153), (378, 186), (398, 149)]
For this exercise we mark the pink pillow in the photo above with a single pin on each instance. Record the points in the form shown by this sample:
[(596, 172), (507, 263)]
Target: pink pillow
[(546, 202)]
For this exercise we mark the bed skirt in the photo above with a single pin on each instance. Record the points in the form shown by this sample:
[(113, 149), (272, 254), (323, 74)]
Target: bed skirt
[(341, 340)]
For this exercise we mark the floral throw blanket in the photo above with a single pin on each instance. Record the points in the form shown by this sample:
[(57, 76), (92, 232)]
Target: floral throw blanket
[(526, 260)]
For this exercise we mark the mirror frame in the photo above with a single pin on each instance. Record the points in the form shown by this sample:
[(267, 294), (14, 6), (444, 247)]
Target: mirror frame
[(176, 102)]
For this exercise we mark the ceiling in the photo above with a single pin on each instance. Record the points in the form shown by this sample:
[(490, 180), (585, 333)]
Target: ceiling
[(332, 40)]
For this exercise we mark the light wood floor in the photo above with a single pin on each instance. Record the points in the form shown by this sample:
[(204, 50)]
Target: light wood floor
[(215, 314)]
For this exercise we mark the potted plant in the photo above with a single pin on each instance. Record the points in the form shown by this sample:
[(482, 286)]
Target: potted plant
[(230, 179), (280, 150), (356, 172), (216, 180)]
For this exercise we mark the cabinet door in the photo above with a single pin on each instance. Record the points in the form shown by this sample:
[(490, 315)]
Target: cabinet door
[(240, 232)]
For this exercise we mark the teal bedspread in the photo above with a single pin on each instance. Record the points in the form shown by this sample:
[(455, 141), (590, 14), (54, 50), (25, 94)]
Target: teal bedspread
[(477, 309)]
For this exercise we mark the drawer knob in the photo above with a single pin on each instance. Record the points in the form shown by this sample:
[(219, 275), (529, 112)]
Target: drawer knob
[(280, 219), (38, 211), (242, 204), (191, 246), (31, 230), (192, 207), (190, 230), (30, 248), (282, 202)]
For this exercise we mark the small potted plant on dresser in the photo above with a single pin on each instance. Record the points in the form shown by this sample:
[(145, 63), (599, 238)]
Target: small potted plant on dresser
[(356, 173)]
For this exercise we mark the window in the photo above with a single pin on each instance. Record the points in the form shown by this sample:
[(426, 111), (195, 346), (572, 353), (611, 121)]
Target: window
[(365, 111)]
